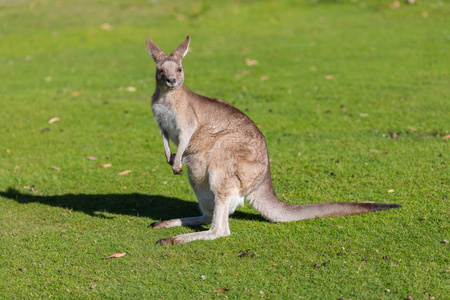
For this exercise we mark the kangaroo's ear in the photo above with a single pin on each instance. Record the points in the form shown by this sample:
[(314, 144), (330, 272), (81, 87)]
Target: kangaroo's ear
[(154, 50), (181, 51)]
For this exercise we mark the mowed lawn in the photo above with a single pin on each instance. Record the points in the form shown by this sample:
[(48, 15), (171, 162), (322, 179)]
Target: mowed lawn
[(353, 98)]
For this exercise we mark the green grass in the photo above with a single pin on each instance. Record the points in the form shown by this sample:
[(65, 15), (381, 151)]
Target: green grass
[(342, 77)]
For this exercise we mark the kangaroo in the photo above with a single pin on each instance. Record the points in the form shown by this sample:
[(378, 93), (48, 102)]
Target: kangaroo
[(225, 154)]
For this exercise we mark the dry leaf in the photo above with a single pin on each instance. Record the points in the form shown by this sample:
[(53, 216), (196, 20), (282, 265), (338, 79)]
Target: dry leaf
[(48, 79), (131, 89), (390, 191), (446, 137), (329, 77), (411, 128), (105, 165), (125, 172), (91, 158), (181, 17), (221, 290), (116, 255), (250, 62), (56, 168), (363, 115), (106, 26), (264, 78), (393, 134), (53, 120), (394, 5), (76, 94)]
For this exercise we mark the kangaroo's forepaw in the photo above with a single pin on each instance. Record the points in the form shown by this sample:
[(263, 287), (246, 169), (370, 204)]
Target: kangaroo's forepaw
[(177, 171), (166, 241)]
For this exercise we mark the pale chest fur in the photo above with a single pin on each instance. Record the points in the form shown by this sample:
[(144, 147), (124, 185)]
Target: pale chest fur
[(166, 117)]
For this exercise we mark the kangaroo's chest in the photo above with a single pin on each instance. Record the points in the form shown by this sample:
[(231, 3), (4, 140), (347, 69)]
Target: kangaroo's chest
[(166, 117)]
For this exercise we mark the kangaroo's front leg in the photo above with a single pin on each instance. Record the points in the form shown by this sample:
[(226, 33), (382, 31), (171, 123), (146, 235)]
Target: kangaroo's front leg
[(167, 152), (184, 138), (176, 158)]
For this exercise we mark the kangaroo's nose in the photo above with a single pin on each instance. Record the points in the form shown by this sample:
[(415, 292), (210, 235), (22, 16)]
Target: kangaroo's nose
[(170, 80)]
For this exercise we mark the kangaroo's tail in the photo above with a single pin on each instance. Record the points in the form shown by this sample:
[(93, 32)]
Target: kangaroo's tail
[(273, 209)]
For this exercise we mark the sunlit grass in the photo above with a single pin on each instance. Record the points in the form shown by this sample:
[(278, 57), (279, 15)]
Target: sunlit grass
[(352, 97)]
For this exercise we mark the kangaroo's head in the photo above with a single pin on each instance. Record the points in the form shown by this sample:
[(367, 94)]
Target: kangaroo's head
[(169, 70)]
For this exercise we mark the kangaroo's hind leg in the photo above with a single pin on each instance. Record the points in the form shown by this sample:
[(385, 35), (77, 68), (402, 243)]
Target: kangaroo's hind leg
[(205, 199), (217, 194), (219, 226), (190, 221)]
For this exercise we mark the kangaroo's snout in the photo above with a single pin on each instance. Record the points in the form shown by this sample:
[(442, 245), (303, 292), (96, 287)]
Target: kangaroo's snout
[(171, 81)]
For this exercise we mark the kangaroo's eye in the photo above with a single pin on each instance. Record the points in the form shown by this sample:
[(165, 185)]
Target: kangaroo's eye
[(180, 70)]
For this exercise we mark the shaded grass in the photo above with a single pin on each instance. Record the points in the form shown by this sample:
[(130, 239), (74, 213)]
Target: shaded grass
[(342, 78)]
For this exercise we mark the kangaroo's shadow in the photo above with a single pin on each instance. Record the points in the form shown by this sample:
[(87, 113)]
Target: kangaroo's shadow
[(155, 207)]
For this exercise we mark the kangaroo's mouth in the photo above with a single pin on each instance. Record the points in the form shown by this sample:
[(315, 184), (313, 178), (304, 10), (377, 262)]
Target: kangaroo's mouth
[(168, 86), (171, 85)]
